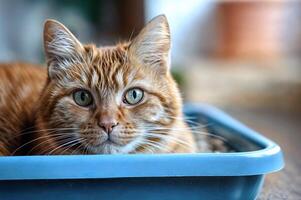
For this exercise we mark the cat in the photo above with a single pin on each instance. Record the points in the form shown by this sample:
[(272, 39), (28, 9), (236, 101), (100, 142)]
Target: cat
[(119, 99)]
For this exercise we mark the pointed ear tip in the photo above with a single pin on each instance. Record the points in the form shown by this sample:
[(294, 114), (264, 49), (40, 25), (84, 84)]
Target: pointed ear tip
[(51, 22), (49, 26), (161, 18), (48, 22)]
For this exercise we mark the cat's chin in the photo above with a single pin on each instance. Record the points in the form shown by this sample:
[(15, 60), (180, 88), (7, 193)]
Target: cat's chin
[(106, 147)]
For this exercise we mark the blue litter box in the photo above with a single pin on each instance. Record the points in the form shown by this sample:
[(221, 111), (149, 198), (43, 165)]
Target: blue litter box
[(218, 176)]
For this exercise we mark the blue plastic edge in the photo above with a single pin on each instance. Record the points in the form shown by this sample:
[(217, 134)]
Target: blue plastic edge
[(267, 160)]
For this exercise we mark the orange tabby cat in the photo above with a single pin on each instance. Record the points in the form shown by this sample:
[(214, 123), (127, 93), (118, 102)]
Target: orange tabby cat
[(119, 99)]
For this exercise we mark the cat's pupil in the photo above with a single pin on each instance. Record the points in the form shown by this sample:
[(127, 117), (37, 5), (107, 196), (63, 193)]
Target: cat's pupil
[(134, 94), (83, 96)]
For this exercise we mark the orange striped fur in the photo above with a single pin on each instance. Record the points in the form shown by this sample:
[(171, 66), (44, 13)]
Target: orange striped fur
[(39, 115)]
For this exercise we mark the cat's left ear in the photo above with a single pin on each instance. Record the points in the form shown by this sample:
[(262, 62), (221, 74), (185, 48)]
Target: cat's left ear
[(152, 45), (61, 47)]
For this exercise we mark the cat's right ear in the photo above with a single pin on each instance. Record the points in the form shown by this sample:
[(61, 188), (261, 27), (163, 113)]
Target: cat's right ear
[(61, 47)]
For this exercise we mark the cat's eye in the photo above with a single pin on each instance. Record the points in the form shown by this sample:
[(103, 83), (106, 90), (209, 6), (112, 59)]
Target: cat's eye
[(82, 98), (133, 96)]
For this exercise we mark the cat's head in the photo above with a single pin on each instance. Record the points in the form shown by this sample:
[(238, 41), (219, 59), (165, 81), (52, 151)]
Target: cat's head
[(118, 99)]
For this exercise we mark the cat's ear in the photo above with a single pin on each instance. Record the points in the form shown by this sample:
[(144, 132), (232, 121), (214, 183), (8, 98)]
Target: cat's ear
[(61, 47), (152, 45)]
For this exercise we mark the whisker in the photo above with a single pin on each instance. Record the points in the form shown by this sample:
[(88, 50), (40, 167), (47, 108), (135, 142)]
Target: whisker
[(58, 137), (31, 141), (154, 144), (170, 138), (85, 151), (65, 144), (42, 130), (82, 144)]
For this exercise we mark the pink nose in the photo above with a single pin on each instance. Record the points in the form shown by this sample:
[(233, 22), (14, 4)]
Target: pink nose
[(108, 126)]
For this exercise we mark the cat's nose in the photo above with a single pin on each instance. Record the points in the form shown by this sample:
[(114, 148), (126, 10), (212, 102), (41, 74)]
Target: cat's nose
[(108, 126)]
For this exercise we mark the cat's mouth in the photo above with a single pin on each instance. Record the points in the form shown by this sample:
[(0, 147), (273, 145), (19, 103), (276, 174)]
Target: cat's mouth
[(107, 141), (103, 146), (110, 142), (103, 143)]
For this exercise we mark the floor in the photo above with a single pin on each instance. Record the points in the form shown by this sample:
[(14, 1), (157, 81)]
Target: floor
[(284, 129)]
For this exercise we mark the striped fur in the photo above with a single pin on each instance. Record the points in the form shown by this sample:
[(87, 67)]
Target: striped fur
[(60, 126)]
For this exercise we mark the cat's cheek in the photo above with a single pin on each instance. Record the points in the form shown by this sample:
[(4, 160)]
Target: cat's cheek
[(155, 115), (153, 112), (78, 114)]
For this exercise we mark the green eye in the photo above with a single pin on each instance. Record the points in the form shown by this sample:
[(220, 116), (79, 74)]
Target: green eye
[(82, 98), (133, 96)]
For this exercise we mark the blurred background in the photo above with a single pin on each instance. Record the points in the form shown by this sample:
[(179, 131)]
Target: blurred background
[(242, 56)]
